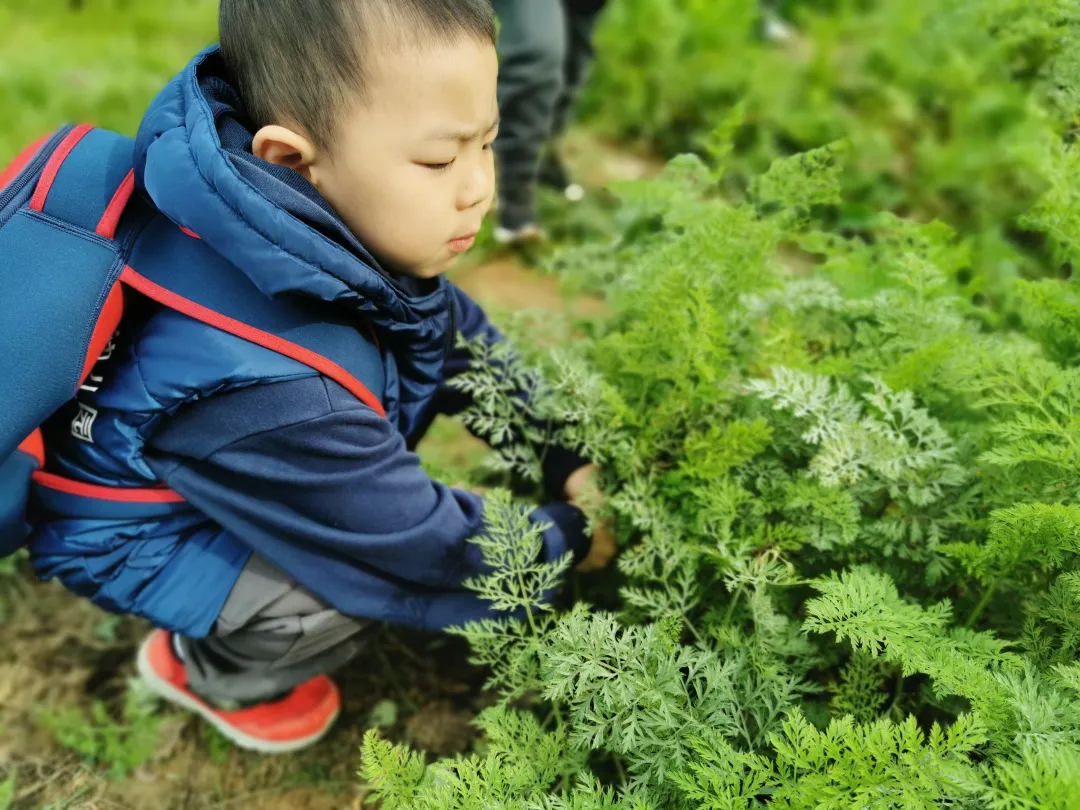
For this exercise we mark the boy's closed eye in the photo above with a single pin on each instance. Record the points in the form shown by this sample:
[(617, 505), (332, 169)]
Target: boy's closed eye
[(462, 137), (445, 165)]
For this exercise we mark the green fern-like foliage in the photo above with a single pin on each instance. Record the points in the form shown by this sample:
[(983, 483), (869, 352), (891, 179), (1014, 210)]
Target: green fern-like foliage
[(842, 465)]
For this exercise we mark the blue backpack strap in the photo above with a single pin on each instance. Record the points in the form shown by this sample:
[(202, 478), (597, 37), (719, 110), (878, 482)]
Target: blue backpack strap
[(59, 291), (59, 276)]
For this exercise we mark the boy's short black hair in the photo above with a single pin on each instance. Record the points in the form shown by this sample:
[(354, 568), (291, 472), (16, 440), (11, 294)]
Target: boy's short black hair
[(300, 61)]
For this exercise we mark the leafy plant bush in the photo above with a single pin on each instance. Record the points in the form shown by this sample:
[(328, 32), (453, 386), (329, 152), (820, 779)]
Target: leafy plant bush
[(849, 512), (950, 110)]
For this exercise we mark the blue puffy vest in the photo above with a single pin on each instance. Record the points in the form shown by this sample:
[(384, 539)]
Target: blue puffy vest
[(222, 286)]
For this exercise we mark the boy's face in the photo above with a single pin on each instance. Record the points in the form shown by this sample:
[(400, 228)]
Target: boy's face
[(412, 172)]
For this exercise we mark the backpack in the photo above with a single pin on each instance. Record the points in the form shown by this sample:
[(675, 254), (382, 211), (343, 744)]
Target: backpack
[(63, 276), (60, 296)]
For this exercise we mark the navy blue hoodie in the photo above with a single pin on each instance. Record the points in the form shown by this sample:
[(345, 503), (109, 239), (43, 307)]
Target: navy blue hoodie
[(271, 457)]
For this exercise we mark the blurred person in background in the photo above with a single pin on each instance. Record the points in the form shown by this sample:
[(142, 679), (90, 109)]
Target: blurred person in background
[(545, 48)]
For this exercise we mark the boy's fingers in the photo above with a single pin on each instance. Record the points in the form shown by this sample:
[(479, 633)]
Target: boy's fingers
[(602, 551), (582, 484)]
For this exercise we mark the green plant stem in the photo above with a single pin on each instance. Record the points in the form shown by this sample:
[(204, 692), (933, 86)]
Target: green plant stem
[(897, 695), (735, 599), (619, 769), (560, 724), (981, 606), (693, 631)]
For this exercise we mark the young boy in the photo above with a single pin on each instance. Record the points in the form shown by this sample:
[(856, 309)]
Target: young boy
[(333, 156)]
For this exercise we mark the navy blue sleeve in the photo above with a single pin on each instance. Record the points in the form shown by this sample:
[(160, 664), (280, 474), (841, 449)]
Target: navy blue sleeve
[(558, 462), (333, 480)]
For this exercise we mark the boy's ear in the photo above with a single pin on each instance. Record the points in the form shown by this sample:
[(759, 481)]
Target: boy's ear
[(285, 147)]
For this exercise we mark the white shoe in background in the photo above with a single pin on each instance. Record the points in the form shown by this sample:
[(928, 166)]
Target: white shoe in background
[(777, 30), (527, 234)]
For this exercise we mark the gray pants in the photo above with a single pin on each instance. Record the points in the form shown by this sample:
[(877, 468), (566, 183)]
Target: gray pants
[(271, 636), (545, 47)]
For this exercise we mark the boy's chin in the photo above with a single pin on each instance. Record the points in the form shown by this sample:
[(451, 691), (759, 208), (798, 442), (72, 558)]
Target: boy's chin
[(426, 271), (432, 270)]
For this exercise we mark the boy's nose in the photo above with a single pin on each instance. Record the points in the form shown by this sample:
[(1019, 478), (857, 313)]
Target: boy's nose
[(478, 189)]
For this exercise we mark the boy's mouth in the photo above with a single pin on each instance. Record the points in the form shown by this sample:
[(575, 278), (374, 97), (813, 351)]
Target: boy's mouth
[(462, 243)]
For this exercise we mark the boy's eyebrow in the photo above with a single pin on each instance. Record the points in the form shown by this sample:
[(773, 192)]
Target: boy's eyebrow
[(462, 134)]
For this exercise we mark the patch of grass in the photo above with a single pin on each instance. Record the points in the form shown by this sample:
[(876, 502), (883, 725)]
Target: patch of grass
[(121, 745), (101, 65), (218, 745), (11, 585), (69, 802), (7, 791)]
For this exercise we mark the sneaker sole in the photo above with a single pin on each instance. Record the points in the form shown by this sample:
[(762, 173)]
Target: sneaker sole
[(162, 688), (574, 192), (508, 238)]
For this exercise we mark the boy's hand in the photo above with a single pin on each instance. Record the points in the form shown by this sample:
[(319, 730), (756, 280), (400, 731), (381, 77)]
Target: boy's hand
[(582, 491)]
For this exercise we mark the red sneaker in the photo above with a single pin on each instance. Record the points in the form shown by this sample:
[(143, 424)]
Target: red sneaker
[(296, 721)]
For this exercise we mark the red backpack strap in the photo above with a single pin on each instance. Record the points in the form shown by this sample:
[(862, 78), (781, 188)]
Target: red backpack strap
[(261, 337)]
